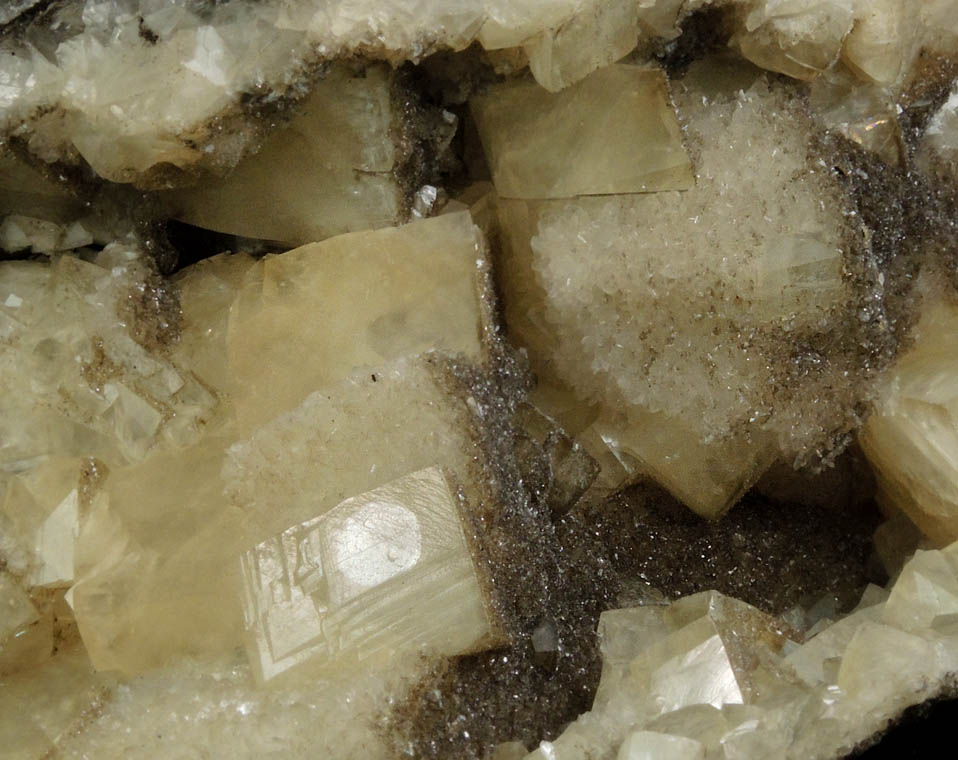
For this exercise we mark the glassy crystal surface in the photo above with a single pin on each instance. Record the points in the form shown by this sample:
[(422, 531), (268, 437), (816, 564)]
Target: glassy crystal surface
[(543, 145), (380, 573), (330, 171), (911, 438)]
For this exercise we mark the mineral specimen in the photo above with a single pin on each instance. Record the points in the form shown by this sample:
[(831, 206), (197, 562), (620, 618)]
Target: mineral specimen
[(364, 366)]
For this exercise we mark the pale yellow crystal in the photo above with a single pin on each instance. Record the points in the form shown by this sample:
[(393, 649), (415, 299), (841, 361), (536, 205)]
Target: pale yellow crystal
[(381, 573), (309, 317), (43, 706), (926, 589), (708, 477), (16, 609), (911, 439), (162, 578), (544, 145), (207, 290), (328, 172), (882, 43), (863, 113), (797, 39), (598, 290), (601, 32)]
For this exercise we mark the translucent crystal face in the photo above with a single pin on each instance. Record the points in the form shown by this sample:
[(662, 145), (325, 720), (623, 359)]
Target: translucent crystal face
[(723, 236), (383, 572)]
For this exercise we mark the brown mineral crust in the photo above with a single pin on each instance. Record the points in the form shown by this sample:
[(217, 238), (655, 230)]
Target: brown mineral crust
[(468, 704), (769, 554)]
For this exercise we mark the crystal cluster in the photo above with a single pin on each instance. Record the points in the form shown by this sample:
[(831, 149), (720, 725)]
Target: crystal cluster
[(711, 676), (356, 355), (687, 353)]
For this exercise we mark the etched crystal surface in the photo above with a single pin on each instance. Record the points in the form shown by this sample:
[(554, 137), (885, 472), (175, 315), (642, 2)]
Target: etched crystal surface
[(381, 572), (417, 506)]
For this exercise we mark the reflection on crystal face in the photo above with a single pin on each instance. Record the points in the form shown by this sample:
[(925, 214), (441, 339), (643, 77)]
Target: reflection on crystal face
[(385, 571)]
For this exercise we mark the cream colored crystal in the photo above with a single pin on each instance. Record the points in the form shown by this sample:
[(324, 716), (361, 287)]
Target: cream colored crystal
[(708, 476), (601, 297), (381, 573), (601, 32), (649, 745), (162, 579), (544, 145), (911, 439), (330, 171), (44, 706), (794, 38), (881, 45), (89, 387), (16, 609), (866, 114), (352, 301), (706, 649)]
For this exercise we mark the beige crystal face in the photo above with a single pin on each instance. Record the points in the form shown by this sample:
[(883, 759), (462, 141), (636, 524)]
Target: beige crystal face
[(328, 172), (380, 574), (370, 296), (661, 329), (911, 438), (545, 145)]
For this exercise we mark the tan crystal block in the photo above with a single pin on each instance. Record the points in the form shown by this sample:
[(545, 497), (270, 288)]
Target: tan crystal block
[(810, 661), (704, 652), (907, 664), (382, 573), (16, 610), (650, 745), (662, 17), (157, 570), (330, 171), (800, 40), (309, 317), (18, 233), (540, 145), (39, 512), (708, 477), (881, 45), (601, 32), (911, 439), (90, 354)]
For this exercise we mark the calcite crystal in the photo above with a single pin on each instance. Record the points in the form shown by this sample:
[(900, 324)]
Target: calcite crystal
[(530, 135), (728, 688), (382, 570), (911, 438), (697, 398), (336, 167), (427, 379)]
